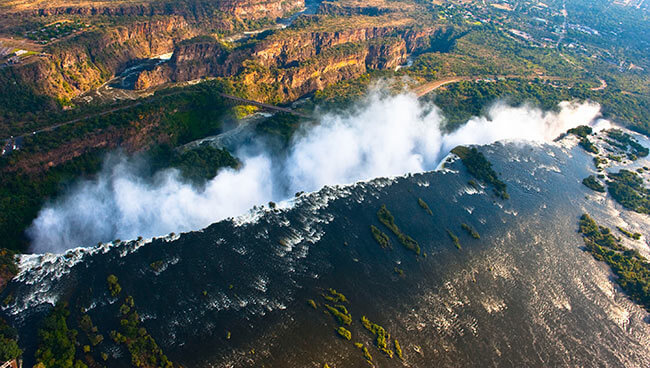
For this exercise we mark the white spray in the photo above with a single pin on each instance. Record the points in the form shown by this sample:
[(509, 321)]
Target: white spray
[(383, 136)]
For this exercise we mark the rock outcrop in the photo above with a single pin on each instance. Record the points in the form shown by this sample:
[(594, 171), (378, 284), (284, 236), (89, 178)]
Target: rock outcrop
[(202, 9), (73, 66), (293, 63)]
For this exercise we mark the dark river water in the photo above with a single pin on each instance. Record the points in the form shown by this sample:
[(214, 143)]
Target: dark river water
[(524, 295)]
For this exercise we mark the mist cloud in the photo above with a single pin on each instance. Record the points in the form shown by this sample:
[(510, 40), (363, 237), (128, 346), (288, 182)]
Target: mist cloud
[(383, 136)]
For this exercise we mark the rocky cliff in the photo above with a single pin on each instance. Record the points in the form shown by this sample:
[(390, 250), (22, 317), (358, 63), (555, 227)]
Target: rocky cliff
[(245, 9), (358, 7), (70, 67), (76, 65), (293, 63), (333, 65)]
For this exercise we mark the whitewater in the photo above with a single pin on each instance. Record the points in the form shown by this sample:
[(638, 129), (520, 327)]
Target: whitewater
[(383, 135)]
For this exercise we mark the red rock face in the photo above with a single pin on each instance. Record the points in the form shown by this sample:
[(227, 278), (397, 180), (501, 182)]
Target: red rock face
[(257, 9), (302, 62), (89, 59)]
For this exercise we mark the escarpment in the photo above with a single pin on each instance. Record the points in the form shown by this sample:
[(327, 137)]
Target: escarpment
[(294, 62), (126, 33), (358, 7), (197, 10), (338, 63), (76, 65)]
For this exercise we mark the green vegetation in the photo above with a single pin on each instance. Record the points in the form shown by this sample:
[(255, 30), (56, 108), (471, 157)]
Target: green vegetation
[(380, 333), (626, 140), (143, 348), (335, 297), (312, 303), (626, 187), (9, 349), (344, 333), (380, 237), (398, 349), (481, 169), (56, 342), (629, 234), (8, 267), (592, 183), (386, 218), (366, 353), (55, 31), (588, 145), (460, 101), (454, 239), (281, 125), (160, 122), (581, 131), (341, 313), (599, 161), (113, 286), (202, 163), (156, 265), (470, 231), (615, 158), (343, 94), (632, 269), (91, 331), (425, 206)]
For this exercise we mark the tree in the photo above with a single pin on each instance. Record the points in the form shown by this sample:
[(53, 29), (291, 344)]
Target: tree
[(9, 349), (56, 347)]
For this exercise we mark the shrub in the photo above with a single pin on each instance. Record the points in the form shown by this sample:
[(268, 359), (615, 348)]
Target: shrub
[(470, 231), (425, 206), (343, 332), (386, 218), (479, 167), (454, 239), (592, 183), (380, 237), (113, 286), (341, 313)]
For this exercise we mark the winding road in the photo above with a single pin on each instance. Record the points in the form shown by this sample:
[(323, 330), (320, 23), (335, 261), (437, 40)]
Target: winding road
[(428, 87)]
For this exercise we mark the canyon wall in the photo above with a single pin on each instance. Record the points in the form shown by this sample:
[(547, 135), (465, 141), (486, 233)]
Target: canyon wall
[(83, 62), (245, 9), (288, 65), (70, 67)]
